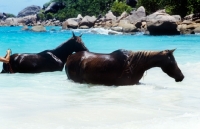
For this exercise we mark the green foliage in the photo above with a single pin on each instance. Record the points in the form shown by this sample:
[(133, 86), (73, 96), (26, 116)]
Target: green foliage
[(150, 5), (64, 14), (180, 7), (119, 7), (10, 15), (193, 6), (176, 7), (49, 16), (83, 7), (96, 7), (41, 15)]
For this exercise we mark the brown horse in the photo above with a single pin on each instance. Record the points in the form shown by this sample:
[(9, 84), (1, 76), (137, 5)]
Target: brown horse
[(120, 67), (45, 61)]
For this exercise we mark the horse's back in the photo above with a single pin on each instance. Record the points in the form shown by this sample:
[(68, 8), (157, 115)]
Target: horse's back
[(34, 63), (95, 68)]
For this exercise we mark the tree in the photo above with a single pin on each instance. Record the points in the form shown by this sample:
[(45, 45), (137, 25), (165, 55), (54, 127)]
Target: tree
[(193, 6), (119, 7), (84, 7), (175, 7)]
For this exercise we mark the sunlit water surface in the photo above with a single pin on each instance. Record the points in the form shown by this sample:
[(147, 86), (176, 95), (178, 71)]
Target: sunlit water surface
[(51, 101)]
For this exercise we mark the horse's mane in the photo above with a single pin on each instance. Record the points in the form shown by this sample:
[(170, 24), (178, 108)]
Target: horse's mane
[(134, 61)]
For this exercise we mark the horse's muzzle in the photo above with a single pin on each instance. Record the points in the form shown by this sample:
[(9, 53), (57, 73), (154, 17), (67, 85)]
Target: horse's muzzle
[(180, 78)]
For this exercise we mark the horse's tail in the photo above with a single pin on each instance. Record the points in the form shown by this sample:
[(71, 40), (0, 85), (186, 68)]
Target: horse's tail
[(5, 68)]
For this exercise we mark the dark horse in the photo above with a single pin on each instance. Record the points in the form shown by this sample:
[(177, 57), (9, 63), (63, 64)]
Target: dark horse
[(120, 67), (45, 61)]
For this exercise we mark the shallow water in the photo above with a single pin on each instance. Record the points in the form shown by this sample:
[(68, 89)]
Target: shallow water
[(51, 101)]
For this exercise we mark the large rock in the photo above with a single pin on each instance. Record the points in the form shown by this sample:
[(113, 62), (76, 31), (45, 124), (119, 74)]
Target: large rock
[(64, 25), (191, 28), (25, 28), (88, 21), (118, 29), (38, 29), (188, 17), (3, 16), (71, 23), (127, 27), (162, 28), (110, 16), (11, 21), (161, 23), (80, 17), (197, 30), (123, 16), (161, 15), (177, 17), (187, 22), (137, 16), (54, 7), (190, 24), (27, 20), (30, 10), (196, 16)]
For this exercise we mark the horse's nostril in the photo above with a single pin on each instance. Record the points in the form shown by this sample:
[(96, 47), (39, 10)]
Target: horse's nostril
[(183, 77), (180, 79)]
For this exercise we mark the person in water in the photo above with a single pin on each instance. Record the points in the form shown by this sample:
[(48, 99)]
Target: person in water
[(6, 59)]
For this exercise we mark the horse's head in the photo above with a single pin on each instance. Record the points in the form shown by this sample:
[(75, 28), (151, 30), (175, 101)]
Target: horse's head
[(77, 43), (74, 44), (170, 67)]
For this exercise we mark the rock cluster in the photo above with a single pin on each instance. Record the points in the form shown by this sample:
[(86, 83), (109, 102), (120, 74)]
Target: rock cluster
[(125, 23), (158, 23), (190, 24)]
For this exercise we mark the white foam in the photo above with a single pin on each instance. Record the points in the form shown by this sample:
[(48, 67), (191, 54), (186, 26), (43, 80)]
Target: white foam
[(96, 31), (50, 101)]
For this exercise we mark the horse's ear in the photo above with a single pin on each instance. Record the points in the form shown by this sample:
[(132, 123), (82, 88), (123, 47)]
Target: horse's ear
[(73, 34), (81, 35), (172, 51)]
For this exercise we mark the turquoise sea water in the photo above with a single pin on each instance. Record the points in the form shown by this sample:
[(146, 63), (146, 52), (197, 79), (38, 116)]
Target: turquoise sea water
[(50, 101)]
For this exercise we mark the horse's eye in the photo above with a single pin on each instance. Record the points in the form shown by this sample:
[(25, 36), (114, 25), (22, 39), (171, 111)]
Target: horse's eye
[(169, 58)]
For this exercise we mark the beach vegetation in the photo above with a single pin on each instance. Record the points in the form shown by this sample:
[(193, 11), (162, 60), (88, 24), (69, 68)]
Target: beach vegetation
[(97, 7), (173, 7), (41, 15), (118, 7), (10, 15), (89, 7), (49, 16)]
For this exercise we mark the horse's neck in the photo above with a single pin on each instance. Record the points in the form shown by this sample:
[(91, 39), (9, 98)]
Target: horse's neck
[(144, 60), (63, 51), (152, 59)]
